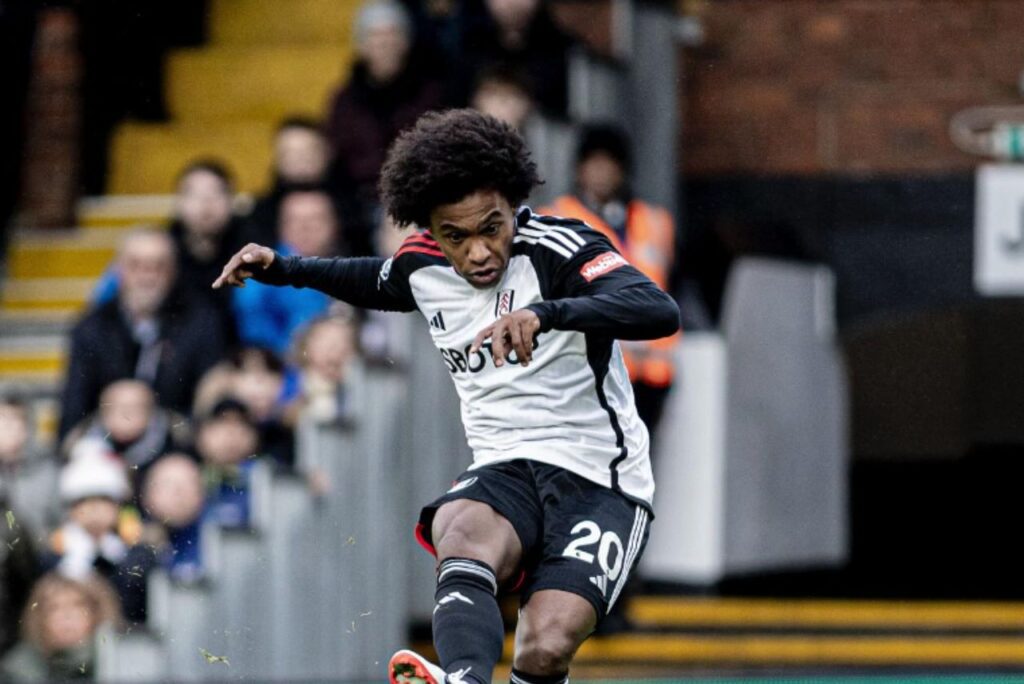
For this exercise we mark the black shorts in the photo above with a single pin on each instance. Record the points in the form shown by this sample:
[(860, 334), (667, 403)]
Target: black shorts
[(577, 536)]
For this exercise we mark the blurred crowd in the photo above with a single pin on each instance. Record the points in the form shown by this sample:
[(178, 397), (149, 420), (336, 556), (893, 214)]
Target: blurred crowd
[(174, 392)]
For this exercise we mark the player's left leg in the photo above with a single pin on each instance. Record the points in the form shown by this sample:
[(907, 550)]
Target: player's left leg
[(552, 626)]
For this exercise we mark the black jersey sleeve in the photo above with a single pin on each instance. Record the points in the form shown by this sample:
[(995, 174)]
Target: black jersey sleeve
[(594, 289), (367, 282)]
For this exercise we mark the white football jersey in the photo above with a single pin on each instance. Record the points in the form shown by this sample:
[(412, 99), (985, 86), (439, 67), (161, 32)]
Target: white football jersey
[(573, 406)]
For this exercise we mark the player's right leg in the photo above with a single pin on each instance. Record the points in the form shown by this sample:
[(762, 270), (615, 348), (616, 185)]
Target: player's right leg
[(478, 550)]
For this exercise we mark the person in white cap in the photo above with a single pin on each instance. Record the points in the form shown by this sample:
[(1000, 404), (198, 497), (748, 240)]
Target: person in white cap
[(93, 485)]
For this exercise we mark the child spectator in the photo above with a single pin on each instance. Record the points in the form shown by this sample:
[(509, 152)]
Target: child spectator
[(301, 155), (326, 352), (385, 93), (173, 499), (267, 315), (228, 443), (28, 477), (99, 535), (133, 425), (93, 485), (259, 380), (58, 627)]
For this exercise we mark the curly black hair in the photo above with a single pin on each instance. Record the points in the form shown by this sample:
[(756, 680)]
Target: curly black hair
[(448, 155)]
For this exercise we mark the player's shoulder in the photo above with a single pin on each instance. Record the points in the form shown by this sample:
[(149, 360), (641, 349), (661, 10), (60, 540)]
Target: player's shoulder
[(545, 235), (417, 250)]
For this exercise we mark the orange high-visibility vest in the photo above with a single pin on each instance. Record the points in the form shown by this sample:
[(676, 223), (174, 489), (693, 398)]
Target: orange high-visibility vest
[(650, 246)]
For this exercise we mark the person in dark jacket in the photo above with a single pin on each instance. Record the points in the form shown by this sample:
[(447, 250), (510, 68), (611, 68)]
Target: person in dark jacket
[(205, 231), (301, 157), (149, 331), (521, 35), (385, 94)]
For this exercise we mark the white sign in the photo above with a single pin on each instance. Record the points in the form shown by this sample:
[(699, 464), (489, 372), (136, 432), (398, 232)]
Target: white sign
[(999, 230)]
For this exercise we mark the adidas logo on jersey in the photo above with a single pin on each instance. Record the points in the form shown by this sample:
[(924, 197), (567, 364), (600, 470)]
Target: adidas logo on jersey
[(437, 321), (601, 582)]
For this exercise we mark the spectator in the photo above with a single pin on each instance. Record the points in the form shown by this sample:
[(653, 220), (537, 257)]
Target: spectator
[(133, 425), (28, 476), (259, 380), (173, 499), (228, 443), (267, 315), (58, 627), (521, 34), (93, 485), (166, 339), (643, 233), (205, 232), (327, 350), (98, 535), (504, 92), (301, 155), (386, 92)]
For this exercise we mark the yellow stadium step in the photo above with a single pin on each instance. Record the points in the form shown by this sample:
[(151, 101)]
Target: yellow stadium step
[(274, 22), (146, 158), (260, 82), (32, 360), (124, 211), (695, 613), (57, 260), (806, 650), (21, 294)]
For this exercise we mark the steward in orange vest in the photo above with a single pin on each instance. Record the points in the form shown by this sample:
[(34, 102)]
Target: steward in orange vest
[(643, 233)]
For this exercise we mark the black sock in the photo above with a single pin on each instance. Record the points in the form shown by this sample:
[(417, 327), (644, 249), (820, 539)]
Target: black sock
[(520, 677), (468, 630)]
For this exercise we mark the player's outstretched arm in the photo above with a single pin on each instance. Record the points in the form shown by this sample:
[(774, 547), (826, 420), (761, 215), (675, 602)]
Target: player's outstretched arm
[(356, 280)]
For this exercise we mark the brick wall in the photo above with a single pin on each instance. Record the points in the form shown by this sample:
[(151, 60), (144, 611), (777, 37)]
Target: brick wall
[(843, 86), (50, 173)]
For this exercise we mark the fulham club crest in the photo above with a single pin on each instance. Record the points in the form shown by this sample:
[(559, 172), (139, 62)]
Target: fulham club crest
[(504, 303)]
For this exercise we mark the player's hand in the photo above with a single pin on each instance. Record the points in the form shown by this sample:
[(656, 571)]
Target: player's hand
[(241, 266), (513, 331)]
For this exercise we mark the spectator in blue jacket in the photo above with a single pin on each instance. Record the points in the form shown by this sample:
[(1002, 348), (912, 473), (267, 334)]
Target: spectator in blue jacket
[(269, 315)]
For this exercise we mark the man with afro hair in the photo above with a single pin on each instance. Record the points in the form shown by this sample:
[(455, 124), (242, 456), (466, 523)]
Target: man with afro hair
[(525, 310)]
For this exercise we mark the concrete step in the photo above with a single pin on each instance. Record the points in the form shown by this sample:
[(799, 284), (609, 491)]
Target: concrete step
[(148, 157), (259, 82), (273, 22)]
